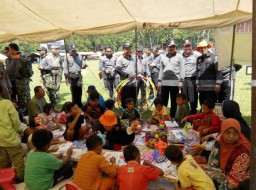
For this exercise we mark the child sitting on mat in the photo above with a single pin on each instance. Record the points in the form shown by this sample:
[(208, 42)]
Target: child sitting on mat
[(130, 112), (206, 122), (93, 110), (64, 113), (49, 118), (101, 100), (43, 170), (190, 174), (160, 113), (92, 165), (110, 104), (182, 109), (76, 127), (133, 175)]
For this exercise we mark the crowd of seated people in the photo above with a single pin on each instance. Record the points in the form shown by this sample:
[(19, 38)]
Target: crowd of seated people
[(220, 161)]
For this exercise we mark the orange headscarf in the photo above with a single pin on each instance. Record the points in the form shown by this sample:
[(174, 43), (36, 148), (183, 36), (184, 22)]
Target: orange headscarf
[(225, 148)]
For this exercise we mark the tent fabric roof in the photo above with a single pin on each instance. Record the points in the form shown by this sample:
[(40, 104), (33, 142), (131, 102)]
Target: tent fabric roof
[(50, 20)]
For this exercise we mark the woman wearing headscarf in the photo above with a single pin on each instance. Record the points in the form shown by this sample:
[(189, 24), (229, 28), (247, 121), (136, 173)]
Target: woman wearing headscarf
[(231, 109), (229, 160)]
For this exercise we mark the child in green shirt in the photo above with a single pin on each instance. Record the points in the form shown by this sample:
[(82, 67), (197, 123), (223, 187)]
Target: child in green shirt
[(43, 170), (182, 109), (130, 113)]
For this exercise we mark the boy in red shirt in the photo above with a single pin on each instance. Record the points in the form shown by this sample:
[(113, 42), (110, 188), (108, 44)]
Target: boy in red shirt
[(206, 122), (133, 175)]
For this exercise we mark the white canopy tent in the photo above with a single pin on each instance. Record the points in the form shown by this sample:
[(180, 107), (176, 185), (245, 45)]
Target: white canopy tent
[(242, 44), (50, 20)]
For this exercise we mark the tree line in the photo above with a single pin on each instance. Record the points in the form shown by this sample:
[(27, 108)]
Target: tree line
[(146, 38)]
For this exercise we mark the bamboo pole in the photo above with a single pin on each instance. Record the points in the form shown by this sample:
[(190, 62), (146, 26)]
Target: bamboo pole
[(232, 63), (66, 55), (253, 103), (136, 60)]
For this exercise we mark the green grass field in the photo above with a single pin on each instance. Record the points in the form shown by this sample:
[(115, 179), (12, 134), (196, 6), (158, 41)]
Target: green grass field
[(90, 77)]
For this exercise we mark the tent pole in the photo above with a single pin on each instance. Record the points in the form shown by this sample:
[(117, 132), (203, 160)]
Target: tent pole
[(253, 102), (231, 82), (136, 61), (66, 55)]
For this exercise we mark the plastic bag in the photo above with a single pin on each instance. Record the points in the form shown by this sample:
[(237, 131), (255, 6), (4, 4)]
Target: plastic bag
[(191, 139)]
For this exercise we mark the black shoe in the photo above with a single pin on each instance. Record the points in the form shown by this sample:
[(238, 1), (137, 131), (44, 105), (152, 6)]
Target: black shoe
[(25, 112), (19, 180)]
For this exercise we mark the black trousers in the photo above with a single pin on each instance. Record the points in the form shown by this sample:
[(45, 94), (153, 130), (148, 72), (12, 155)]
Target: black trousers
[(63, 173), (189, 89), (173, 91), (76, 92), (207, 95), (141, 86), (110, 86), (224, 92), (154, 78), (193, 104), (129, 91), (14, 91)]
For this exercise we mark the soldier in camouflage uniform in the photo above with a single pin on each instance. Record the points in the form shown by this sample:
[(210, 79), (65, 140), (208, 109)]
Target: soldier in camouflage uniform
[(22, 82), (52, 63)]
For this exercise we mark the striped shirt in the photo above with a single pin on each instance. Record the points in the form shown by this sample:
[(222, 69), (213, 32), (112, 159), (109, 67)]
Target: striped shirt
[(143, 66), (190, 63), (207, 72), (171, 70), (126, 66), (157, 61), (107, 63), (74, 66)]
